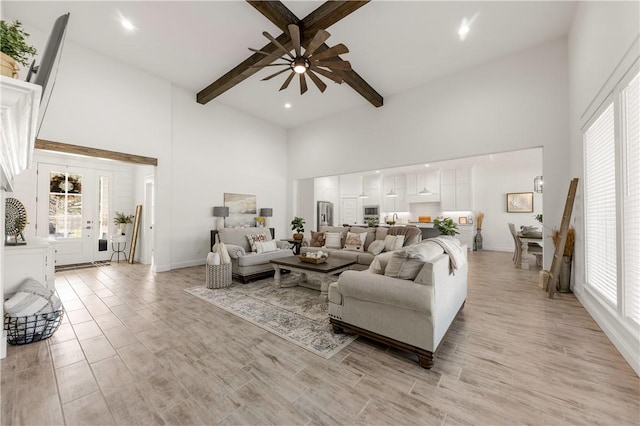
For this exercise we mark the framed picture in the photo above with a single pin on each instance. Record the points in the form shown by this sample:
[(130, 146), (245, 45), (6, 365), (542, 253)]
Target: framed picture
[(520, 202), (462, 220), (242, 210)]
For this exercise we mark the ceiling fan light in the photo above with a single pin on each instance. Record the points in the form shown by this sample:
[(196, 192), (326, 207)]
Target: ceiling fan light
[(300, 65)]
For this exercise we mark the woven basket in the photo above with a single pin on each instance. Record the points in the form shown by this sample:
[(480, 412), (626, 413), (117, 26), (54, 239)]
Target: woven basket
[(23, 330), (218, 276)]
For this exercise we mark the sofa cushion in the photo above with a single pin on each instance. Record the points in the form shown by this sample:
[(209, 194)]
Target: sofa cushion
[(376, 247), (402, 266), (252, 259), (371, 234), (365, 258), (344, 254), (379, 263), (393, 242), (252, 239), (412, 234), (381, 232), (333, 240), (355, 241), (317, 239), (236, 236), (265, 246)]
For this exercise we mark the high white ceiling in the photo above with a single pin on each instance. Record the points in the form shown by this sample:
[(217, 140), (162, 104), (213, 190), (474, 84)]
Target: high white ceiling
[(394, 45)]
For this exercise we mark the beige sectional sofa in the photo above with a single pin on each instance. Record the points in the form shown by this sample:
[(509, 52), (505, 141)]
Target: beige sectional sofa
[(246, 264), (364, 258), (407, 298)]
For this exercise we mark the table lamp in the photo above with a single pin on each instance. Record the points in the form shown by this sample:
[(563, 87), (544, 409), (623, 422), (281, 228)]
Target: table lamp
[(220, 213)]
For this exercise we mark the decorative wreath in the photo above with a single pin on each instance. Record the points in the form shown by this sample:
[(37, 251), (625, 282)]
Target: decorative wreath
[(15, 217)]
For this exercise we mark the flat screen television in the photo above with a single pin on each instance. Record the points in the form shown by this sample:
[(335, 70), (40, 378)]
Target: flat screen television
[(45, 74)]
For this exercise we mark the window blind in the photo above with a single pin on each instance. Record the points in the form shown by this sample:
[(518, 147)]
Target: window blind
[(600, 206), (631, 198)]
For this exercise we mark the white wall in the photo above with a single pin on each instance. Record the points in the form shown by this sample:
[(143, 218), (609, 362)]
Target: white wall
[(202, 151), (603, 43), (491, 183), (517, 102)]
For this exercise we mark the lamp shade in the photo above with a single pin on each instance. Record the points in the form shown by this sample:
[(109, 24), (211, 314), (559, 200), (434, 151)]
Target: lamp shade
[(221, 211), (266, 212)]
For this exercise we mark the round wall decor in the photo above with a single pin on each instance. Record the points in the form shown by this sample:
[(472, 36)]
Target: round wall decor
[(15, 218)]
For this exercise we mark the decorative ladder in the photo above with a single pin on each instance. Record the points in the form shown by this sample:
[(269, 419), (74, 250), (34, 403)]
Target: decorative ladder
[(562, 238)]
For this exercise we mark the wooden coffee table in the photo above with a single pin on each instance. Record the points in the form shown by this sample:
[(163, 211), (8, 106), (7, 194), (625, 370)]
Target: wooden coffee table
[(323, 273)]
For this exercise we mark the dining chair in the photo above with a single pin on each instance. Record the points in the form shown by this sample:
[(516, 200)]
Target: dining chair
[(517, 252)]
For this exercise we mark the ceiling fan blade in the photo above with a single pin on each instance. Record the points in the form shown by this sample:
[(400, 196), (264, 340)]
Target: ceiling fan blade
[(317, 81), (303, 84), (336, 50), (270, 65), (269, 77), (277, 43), (288, 80), (294, 31), (317, 40), (338, 65), (330, 75), (270, 54)]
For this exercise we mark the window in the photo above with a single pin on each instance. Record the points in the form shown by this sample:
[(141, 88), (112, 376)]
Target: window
[(612, 201), (631, 197), (65, 205)]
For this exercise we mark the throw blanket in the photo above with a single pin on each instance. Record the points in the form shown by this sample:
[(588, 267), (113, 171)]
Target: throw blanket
[(452, 247)]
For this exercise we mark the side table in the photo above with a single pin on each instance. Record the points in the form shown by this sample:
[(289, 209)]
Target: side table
[(118, 245), (296, 244)]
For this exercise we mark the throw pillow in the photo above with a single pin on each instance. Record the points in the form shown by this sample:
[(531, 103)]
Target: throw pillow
[(333, 240), (317, 239), (393, 242), (376, 247), (355, 242), (252, 238), (402, 266), (266, 246)]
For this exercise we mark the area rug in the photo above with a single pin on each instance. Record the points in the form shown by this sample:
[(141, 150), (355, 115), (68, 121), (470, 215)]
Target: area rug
[(293, 313)]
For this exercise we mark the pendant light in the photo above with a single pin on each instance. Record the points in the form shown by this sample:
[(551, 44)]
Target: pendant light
[(425, 191), (363, 194), (392, 193)]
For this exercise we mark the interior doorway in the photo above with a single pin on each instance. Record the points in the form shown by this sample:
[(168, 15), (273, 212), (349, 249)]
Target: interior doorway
[(149, 220)]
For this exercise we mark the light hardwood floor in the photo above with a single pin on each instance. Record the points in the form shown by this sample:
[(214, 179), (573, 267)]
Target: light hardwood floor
[(135, 349)]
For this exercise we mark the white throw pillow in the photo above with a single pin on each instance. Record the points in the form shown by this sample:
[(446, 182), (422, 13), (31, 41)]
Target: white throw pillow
[(333, 240), (376, 247), (253, 238), (354, 241), (393, 242), (402, 266), (266, 246)]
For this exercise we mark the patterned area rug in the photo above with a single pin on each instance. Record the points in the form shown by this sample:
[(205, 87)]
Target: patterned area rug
[(293, 313)]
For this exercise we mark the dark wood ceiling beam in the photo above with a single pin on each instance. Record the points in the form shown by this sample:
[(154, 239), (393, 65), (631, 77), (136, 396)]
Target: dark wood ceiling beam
[(94, 152), (276, 12), (328, 14), (323, 17), (243, 70)]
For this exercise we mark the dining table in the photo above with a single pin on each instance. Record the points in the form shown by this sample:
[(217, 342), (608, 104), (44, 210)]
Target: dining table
[(526, 238)]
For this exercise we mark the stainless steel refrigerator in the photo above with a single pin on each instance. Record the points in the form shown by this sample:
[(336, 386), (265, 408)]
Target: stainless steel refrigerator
[(325, 214)]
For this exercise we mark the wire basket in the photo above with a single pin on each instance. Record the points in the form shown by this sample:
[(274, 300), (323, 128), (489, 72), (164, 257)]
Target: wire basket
[(23, 330), (218, 276)]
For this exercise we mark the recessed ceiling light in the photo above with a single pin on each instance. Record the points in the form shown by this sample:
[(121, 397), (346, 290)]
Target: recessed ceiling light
[(377, 171), (125, 22), (464, 29), (287, 105), (426, 165)]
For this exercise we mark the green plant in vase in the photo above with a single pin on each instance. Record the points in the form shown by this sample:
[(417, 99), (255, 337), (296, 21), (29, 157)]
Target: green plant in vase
[(121, 220), (297, 224), (446, 226), (14, 47)]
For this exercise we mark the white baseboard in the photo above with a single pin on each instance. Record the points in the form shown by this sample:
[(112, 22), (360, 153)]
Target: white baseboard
[(188, 263), (627, 344)]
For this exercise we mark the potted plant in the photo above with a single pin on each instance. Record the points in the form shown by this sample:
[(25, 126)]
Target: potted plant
[(14, 48), (297, 224), (446, 226), (121, 220)]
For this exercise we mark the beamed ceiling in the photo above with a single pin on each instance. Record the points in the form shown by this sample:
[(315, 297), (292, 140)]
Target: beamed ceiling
[(394, 46)]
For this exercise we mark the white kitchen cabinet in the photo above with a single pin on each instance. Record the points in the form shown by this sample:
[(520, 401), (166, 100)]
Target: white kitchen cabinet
[(455, 190), (412, 183), (372, 189), (466, 235), (398, 185), (33, 260)]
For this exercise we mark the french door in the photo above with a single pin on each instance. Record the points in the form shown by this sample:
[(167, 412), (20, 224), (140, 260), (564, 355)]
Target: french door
[(73, 208)]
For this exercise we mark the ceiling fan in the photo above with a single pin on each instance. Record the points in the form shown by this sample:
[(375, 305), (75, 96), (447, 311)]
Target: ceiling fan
[(325, 63)]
